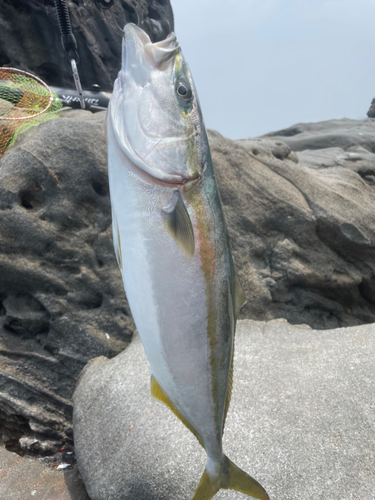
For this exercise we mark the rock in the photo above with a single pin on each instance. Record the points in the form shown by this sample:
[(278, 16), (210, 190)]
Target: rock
[(356, 158), (344, 133), (371, 111), (22, 478), (61, 295), (303, 237), (301, 419), (30, 37)]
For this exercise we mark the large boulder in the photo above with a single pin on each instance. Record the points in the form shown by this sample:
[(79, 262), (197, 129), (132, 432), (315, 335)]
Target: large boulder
[(303, 237), (30, 37), (301, 420), (61, 294)]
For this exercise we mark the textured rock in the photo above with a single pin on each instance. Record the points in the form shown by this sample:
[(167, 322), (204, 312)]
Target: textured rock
[(355, 158), (22, 478), (371, 111), (61, 296), (301, 420), (344, 133), (30, 37), (303, 238)]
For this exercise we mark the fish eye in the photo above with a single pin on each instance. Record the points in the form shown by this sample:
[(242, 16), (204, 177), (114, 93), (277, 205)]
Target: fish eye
[(183, 91)]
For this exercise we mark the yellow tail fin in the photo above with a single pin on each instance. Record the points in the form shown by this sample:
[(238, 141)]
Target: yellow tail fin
[(231, 478)]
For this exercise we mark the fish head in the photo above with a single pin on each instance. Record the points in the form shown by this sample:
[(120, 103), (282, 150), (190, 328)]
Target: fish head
[(154, 110)]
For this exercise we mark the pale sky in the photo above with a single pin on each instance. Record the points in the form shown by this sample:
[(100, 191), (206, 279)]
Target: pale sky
[(263, 65)]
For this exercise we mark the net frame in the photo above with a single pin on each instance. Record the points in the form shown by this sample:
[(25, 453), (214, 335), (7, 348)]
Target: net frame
[(20, 117), (37, 79)]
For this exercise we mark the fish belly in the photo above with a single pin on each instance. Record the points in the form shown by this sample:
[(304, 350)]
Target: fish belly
[(167, 294)]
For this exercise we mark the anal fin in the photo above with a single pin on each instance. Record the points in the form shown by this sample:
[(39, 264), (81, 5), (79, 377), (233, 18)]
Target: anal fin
[(158, 393)]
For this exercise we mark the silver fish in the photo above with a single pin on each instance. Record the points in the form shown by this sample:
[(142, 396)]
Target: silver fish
[(172, 246)]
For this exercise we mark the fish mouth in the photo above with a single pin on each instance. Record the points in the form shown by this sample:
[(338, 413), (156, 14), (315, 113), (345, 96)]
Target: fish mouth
[(136, 40)]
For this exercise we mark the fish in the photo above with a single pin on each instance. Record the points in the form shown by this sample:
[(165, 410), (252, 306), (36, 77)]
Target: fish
[(172, 246)]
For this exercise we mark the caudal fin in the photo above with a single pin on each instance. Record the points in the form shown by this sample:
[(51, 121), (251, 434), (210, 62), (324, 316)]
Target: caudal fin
[(231, 478)]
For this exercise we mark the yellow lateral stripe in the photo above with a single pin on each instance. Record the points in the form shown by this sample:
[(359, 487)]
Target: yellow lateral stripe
[(158, 393), (207, 257)]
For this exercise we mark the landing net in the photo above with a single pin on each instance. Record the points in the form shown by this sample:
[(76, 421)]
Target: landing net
[(25, 100)]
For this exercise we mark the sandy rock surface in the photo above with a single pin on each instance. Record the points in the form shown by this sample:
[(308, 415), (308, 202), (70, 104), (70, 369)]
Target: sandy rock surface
[(24, 479), (301, 419)]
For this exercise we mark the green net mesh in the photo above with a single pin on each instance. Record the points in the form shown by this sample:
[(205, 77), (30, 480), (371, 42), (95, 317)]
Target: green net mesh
[(25, 100)]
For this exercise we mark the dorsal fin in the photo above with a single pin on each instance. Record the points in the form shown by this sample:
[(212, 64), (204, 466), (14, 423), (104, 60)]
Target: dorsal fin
[(158, 393), (178, 223)]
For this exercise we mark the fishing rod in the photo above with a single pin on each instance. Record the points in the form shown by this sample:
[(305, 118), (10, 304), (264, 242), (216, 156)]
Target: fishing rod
[(95, 99), (69, 44), (85, 98)]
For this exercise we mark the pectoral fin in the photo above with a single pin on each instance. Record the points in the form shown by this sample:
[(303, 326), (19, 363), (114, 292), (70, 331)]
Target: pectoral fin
[(158, 393), (178, 223)]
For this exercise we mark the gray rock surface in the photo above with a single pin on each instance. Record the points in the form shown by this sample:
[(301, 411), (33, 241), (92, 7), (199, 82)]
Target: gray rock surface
[(343, 133), (61, 296), (30, 37), (371, 111), (356, 158), (303, 236), (301, 419), (24, 479)]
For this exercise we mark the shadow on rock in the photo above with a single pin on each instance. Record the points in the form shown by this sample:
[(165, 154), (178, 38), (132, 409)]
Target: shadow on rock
[(75, 485)]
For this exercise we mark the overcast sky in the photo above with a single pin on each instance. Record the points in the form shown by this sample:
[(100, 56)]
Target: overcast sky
[(263, 65)]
